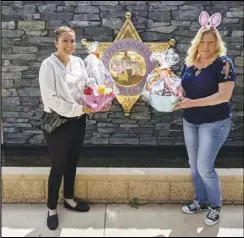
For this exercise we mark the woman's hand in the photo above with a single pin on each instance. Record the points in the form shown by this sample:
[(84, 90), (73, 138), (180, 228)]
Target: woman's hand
[(184, 103), (180, 91)]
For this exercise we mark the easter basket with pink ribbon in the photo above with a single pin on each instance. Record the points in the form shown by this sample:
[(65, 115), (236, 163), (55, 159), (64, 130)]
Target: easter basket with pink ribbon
[(161, 90), (100, 89)]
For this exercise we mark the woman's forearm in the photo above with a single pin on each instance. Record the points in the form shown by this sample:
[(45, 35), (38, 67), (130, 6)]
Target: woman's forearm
[(214, 99)]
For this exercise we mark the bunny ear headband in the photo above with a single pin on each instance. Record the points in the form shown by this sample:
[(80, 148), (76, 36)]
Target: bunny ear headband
[(213, 21)]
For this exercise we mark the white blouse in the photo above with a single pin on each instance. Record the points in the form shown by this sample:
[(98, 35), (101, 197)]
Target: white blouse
[(61, 86)]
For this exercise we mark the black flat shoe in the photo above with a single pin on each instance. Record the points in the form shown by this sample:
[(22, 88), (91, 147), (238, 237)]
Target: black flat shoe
[(80, 207), (52, 221)]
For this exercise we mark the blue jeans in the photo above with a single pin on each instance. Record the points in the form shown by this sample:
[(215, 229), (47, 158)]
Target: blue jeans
[(203, 143)]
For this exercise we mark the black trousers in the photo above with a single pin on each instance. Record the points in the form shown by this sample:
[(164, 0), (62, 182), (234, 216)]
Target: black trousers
[(64, 145)]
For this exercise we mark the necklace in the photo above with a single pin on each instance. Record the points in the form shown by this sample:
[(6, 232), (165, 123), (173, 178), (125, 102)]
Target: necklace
[(198, 72)]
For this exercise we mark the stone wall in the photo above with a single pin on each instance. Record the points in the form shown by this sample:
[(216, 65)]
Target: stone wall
[(27, 39)]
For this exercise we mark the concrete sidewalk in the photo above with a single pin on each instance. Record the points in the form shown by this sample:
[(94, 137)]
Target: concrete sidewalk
[(19, 220)]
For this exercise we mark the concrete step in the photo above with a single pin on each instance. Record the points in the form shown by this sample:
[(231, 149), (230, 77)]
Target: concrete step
[(118, 185)]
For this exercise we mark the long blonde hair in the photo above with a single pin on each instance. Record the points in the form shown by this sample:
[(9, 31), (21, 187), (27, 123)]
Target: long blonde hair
[(192, 53)]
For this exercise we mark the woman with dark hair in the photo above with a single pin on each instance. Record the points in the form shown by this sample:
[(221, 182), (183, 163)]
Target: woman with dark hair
[(57, 74)]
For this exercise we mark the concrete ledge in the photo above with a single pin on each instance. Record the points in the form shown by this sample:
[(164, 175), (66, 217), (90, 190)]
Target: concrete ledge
[(117, 185)]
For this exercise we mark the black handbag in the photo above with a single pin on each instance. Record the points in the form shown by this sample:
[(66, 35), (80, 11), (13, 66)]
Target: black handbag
[(52, 120)]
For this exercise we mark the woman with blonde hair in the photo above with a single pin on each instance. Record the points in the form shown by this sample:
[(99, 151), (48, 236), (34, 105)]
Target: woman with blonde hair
[(208, 80)]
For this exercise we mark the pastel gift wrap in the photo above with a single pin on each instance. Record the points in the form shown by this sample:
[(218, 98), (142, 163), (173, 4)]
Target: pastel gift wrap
[(99, 89), (163, 103), (97, 102), (162, 86)]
